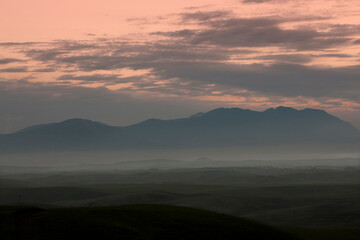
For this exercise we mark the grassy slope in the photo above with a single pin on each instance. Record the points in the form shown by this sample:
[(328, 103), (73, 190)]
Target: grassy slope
[(129, 222), (324, 233), (312, 203), (300, 206)]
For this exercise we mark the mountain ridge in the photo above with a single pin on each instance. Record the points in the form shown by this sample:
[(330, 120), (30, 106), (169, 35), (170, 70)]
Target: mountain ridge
[(216, 128), (196, 115)]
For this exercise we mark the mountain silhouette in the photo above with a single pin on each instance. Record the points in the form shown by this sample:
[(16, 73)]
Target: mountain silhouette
[(221, 127)]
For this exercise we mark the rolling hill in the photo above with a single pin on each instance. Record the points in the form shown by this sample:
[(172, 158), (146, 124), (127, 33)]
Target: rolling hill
[(137, 222)]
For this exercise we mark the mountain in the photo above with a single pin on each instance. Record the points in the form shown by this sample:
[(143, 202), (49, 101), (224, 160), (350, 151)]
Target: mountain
[(221, 127)]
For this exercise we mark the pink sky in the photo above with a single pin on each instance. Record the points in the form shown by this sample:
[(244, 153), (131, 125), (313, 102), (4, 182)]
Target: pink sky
[(44, 20), (281, 52)]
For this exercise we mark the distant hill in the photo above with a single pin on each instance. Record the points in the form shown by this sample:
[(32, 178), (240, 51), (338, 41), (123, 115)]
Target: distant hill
[(221, 127), (136, 222)]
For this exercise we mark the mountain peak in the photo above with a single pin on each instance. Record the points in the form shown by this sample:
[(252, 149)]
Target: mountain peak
[(73, 124), (281, 109), (196, 115), (80, 122), (76, 120), (222, 111)]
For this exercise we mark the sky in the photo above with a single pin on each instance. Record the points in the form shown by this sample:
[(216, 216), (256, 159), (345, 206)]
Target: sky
[(121, 62)]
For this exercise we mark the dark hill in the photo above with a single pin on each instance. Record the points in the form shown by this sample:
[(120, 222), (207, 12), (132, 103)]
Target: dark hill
[(74, 126), (71, 134), (222, 127), (136, 222)]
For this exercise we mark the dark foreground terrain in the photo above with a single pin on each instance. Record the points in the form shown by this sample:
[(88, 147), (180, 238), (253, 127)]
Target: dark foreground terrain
[(141, 222), (129, 222), (306, 202)]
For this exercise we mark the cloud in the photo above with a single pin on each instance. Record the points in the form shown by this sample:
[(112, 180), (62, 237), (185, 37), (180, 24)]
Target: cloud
[(104, 78), (45, 54), (289, 80), (140, 56), (12, 44), (186, 69), (261, 32), (14, 69), (286, 58), (46, 69), (203, 16), (9, 60), (335, 55)]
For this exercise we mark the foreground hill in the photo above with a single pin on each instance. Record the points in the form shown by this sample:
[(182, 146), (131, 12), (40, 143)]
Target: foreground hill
[(217, 128), (129, 222)]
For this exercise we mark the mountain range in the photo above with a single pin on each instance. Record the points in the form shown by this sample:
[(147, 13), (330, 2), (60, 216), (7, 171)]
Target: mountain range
[(221, 127)]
